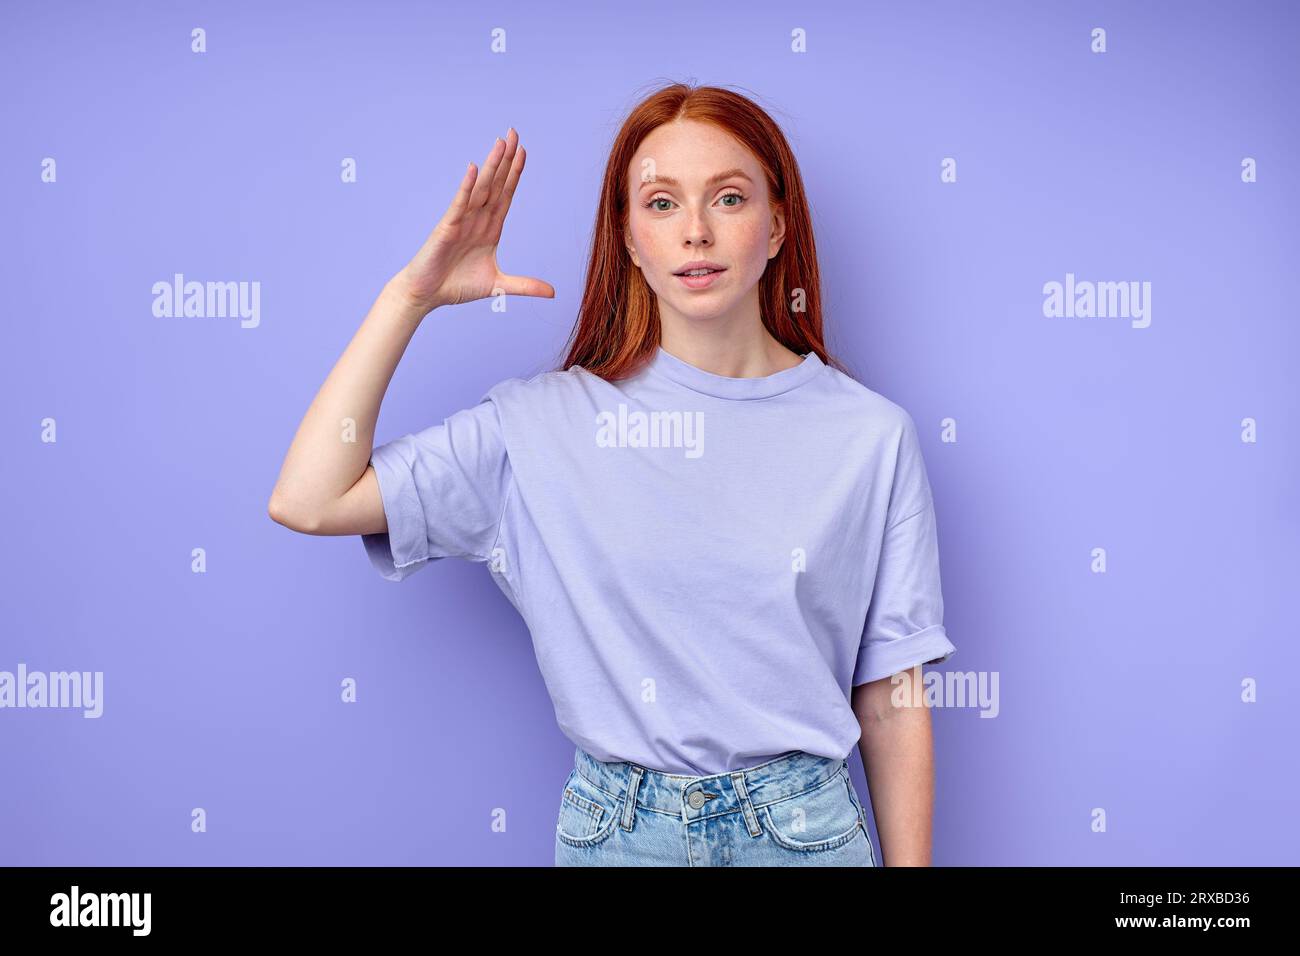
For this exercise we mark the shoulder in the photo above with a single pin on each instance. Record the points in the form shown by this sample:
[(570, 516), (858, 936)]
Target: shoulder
[(868, 408), (542, 387), (891, 445), (529, 406)]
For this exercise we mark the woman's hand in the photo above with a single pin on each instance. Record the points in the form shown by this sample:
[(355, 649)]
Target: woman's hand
[(458, 262)]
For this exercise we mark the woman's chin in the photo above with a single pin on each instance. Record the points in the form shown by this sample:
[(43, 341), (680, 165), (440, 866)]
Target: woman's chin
[(697, 308)]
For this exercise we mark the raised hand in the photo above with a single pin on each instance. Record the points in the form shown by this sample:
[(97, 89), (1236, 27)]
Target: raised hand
[(458, 262)]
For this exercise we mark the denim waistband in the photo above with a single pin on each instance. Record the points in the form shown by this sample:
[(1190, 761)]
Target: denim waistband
[(747, 789)]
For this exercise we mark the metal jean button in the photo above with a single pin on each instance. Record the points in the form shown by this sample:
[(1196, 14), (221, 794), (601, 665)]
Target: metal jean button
[(696, 800)]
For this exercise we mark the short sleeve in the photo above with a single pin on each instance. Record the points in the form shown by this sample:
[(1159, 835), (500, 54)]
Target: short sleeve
[(444, 491), (904, 624)]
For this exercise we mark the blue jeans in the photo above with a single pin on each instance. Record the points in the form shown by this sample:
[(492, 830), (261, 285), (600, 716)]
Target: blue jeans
[(798, 809)]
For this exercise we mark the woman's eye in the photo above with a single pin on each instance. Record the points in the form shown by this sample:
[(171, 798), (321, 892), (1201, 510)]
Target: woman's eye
[(656, 199)]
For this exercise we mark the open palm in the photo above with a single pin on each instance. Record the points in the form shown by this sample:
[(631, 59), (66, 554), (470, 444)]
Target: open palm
[(458, 262)]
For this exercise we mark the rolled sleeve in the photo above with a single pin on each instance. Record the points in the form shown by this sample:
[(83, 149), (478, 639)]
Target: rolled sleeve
[(927, 646), (444, 492), (403, 549)]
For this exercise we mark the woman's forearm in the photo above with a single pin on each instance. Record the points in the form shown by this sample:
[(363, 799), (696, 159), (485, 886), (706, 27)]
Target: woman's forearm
[(332, 447), (898, 759)]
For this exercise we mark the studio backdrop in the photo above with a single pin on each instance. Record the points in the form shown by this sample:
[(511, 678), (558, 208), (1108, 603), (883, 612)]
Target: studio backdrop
[(1061, 235)]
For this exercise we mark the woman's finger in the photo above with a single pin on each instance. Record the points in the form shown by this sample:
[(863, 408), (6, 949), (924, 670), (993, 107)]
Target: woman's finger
[(503, 169), (460, 202), (483, 188), (525, 285), (508, 191)]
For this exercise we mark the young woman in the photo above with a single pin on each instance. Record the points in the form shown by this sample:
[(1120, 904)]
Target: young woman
[(723, 545)]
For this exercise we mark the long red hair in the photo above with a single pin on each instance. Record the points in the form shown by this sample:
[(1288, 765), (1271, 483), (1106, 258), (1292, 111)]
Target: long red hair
[(617, 330)]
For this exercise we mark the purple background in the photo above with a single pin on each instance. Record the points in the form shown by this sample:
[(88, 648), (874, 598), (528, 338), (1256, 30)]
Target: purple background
[(1119, 690)]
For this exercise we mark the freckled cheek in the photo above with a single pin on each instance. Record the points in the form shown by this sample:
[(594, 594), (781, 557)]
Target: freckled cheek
[(748, 244), (651, 247)]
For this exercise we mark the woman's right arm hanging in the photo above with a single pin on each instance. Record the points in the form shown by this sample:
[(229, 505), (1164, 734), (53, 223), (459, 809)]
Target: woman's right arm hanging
[(326, 484)]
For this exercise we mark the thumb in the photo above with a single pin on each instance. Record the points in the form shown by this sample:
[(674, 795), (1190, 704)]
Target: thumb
[(525, 285)]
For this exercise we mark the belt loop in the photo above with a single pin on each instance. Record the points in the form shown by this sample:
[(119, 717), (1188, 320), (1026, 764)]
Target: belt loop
[(746, 805), (629, 798)]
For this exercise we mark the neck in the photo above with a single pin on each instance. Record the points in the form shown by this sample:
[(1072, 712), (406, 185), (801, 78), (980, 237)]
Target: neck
[(737, 349)]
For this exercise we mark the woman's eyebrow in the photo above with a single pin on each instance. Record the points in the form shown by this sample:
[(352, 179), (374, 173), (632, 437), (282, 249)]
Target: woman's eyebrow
[(712, 180)]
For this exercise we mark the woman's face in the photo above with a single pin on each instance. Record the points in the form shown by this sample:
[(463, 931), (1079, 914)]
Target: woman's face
[(698, 194)]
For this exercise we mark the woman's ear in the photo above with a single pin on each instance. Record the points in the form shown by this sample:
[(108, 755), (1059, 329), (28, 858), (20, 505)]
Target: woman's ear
[(631, 249), (778, 232)]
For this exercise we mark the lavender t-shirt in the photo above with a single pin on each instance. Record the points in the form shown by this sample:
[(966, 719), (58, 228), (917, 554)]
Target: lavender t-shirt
[(706, 564)]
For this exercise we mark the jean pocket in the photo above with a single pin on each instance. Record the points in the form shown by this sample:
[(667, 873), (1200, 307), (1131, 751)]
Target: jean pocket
[(588, 814), (823, 818), (862, 815)]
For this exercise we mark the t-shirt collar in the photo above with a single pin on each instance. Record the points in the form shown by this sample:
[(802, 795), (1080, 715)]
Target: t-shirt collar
[(724, 386)]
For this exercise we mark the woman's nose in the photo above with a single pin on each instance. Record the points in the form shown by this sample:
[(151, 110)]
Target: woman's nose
[(698, 231)]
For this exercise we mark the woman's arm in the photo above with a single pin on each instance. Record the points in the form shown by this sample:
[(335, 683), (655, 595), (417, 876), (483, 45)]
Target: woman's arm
[(326, 484), (898, 758)]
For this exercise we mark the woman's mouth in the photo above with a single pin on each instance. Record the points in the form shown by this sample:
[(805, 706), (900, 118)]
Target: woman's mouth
[(700, 278)]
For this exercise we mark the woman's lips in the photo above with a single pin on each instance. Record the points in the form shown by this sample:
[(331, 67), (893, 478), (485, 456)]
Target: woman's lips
[(701, 282)]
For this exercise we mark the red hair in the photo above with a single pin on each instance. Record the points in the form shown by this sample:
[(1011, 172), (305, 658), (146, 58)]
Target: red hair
[(617, 330)]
